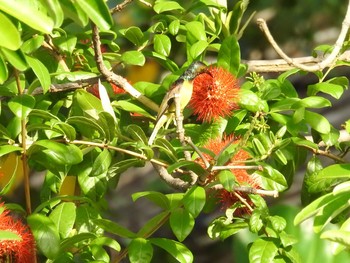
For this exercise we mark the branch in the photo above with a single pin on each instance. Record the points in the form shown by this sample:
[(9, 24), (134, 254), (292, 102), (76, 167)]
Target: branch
[(327, 62), (112, 77), (249, 190)]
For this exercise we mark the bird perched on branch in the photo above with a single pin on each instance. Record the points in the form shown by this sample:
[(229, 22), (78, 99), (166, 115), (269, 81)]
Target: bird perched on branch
[(182, 88)]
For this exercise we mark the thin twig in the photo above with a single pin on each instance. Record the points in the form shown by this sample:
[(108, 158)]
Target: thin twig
[(327, 62), (199, 152), (237, 167), (114, 78), (243, 201), (249, 190), (120, 6)]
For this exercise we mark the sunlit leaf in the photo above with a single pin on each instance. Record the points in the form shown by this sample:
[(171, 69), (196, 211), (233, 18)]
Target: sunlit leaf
[(174, 248), (140, 250)]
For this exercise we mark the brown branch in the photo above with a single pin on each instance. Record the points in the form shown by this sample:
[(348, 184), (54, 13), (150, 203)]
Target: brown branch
[(249, 190), (120, 6), (327, 62), (114, 78)]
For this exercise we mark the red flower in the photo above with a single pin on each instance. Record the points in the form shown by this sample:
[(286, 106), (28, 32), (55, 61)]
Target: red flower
[(214, 95), (116, 90), (243, 178), (19, 251)]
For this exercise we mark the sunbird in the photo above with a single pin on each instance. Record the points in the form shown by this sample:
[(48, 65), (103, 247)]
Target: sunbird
[(183, 88)]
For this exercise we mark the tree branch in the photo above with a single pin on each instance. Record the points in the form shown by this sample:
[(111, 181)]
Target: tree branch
[(327, 62)]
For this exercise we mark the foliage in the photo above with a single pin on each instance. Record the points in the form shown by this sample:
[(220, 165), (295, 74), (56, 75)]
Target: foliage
[(57, 117)]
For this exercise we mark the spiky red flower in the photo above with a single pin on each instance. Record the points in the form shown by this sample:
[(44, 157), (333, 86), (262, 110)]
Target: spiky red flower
[(116, 90), (228, 198), (214, 95), (19, 251)]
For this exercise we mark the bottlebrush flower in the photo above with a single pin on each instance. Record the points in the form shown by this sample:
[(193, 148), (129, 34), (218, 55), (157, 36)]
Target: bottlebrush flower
[(214, 95), (116, 90), (18, 251), (243, 178)]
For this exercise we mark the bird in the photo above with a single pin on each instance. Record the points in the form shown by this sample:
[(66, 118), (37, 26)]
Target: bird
[(183, 88)]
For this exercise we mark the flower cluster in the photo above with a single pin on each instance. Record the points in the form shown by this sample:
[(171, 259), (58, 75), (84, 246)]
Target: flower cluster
[(243, 178), (19, 251), (214, 94)]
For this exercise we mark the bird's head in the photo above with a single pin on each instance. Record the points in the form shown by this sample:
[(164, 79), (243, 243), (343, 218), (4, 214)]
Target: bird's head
[(196, 68)]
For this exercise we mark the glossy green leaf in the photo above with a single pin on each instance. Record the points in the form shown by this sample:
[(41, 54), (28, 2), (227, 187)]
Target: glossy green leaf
[(272, 179), (40, 71), (101, 163), (198, 48), (174, 27), (65, 43), (10, 37), (55, 12), (132, 106), (46, 234), (256, 221), (75, 12), (15, 58), (140, 250), (174, 248), (69, 242), (229, 55), (278, 223), (22, 105), (134, 35), (106, 241), (195, 32), (227, 179), (193, 166), (156, 197), (3, 70), (194, 200), (122, 166), (317, 122), (181, 223), (165, 146), (63, 216), (94, 187), (114, 228), (8, 235), (6, 149), (164, 6), (335, 171), (32, 13), (86, 104), (220, 228), (107, 123), (133, 57), (136, 132), (263, 251), (32, 44), (312, 102), (98, 12), (153, 224), (57, 153), (335, 90), (339, 236), (162, 44)]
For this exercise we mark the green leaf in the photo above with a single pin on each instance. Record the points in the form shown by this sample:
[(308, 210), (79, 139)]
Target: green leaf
[(3, 70), (339, 236), (57, 153), (46, 235), (263, 251), (255, 221), (75, 12), (227, 179), (10, 37), (7, 235), (229, 55), (181, 223), (123, 165), (132, 106), (198, 48), (335, 90), (32, 13), (220, 228), (312, 102), (193, 166), (114, 228), (194, 200), (101, 163), (162, 44), (6, 149), (98, 12), (317, 122), (174, 248), (15, 58), (106, 241), (164, 6), (41, 72), (21, 105), (86, 104), (195, 32), (174, 27), (335, 171), (55, 11), (133, 57), (32, 44), (156, 197), (63, 216), (136, 132), (134, 35), (69, 242), (65, 43), (140, 250), (278, 223), (272, 179), (153, 224)]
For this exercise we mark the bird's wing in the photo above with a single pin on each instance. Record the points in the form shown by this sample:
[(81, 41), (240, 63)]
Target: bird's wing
[(169, 98)]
